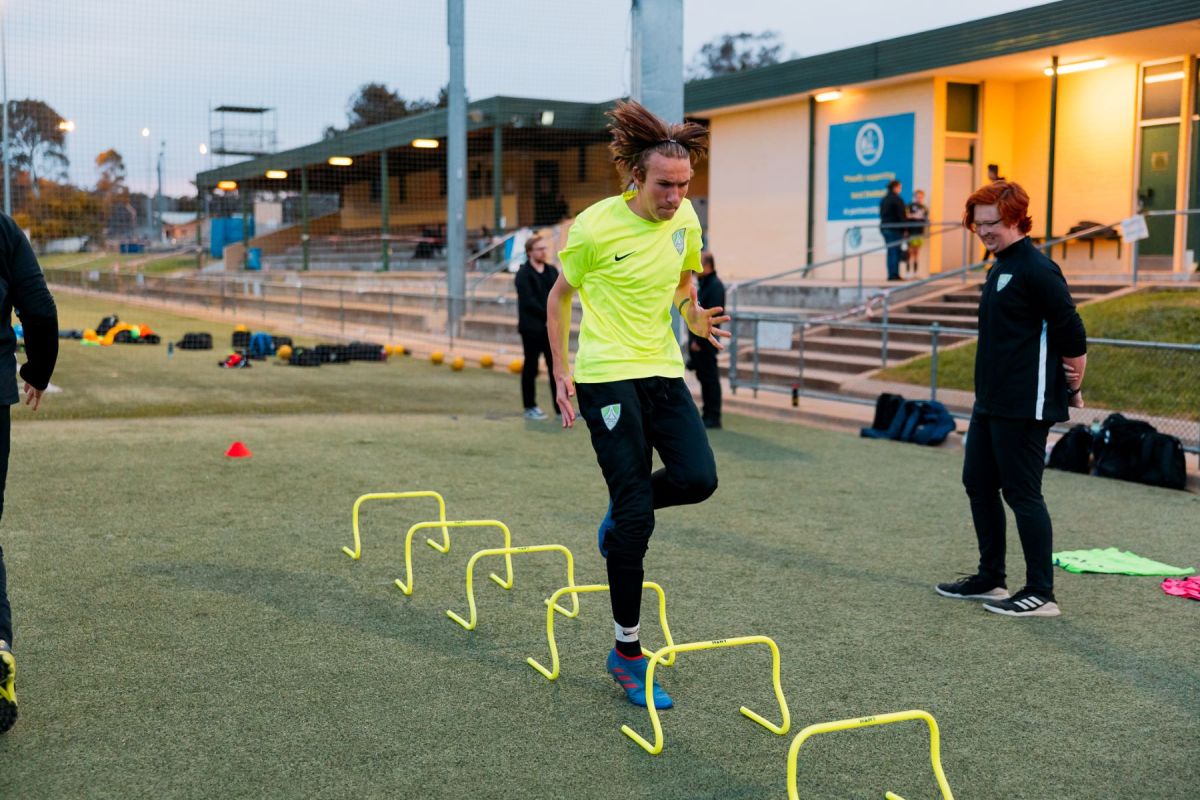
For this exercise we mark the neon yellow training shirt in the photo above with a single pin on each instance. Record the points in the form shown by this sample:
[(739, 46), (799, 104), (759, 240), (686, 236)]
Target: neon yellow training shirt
[(626, 269)]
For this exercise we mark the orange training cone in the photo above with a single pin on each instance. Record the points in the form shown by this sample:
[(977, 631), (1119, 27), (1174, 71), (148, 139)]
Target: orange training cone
[(238, 450)]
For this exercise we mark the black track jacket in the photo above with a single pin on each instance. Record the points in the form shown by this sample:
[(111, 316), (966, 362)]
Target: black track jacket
[(533, 289), (23, 287), (1027, 325)]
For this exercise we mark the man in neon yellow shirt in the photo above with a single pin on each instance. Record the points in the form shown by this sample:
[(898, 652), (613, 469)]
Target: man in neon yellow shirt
[(631, 257)]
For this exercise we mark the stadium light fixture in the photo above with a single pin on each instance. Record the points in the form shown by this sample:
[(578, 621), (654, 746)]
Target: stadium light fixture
[(547, 118), (825, 97), (426, 144), (203, 149), (227, 186), (340, 161), (66, 125), (1078, 66), (277, 174), (146, 132), (1164, 77)]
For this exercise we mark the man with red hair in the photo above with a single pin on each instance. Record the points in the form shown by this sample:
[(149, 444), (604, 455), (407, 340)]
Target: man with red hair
[(1029, 366)]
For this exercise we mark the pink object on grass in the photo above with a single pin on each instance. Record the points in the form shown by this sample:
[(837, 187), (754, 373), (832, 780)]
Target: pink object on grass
[(1183, 587)]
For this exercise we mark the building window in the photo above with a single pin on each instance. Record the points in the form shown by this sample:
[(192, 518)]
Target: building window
[(1162, 85), (962, 107)]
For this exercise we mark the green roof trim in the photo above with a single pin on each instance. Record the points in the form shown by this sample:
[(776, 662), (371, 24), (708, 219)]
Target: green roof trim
[(1015, 32), (509, 111)]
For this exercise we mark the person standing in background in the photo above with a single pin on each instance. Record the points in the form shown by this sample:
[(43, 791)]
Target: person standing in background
[(917, 212), (534, 281), (892, 216), (710, 294)]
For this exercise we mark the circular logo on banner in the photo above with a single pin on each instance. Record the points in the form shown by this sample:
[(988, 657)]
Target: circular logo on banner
[(868, 144)]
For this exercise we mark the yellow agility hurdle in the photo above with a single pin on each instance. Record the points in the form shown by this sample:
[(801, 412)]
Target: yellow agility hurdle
[(935, 750), (444, 524), (670, 650), (552, 605), (511, 551), (356, 553)]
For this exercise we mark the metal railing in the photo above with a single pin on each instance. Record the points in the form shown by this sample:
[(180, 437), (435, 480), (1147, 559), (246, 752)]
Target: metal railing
[(849, 376), (942, 228), (1171, 212)]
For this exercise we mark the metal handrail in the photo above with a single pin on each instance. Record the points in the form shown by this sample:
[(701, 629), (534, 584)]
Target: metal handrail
[(807, 268)]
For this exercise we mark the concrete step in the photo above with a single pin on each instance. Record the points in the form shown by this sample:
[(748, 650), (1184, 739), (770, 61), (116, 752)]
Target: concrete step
[(910, 318), (943, 308), (897, 337), (861, 347), (816, 359), (776, 375)]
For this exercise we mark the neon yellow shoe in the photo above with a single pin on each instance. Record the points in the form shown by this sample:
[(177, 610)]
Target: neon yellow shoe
[(8, 693)]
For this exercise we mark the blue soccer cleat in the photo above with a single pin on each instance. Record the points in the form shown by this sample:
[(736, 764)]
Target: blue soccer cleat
[(631, 674), (606, 525)]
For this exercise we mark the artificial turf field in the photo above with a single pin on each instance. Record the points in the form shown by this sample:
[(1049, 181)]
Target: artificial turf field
[(187, 625)]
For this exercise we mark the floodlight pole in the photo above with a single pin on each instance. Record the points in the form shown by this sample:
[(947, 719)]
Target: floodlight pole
[(456, 159), (657, 79), (657, 60)]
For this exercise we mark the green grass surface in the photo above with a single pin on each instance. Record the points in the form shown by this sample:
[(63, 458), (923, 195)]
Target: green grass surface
[(188, 625), (148, 263), (1132, 379)]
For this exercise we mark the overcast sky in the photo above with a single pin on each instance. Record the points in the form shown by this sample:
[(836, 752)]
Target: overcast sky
[(116, 66)]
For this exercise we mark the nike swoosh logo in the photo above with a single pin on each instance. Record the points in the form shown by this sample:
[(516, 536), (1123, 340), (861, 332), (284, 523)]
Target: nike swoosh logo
[(627, 255)]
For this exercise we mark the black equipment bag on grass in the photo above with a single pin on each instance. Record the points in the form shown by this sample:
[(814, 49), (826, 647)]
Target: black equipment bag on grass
[(304, 357), (241, 340), (1132, 450), (366, 351), (1073, 451), (333, 353), (886, 406), (195, 341)]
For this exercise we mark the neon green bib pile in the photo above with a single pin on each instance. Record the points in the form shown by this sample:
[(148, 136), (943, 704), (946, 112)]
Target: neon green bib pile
[(1116, 562)]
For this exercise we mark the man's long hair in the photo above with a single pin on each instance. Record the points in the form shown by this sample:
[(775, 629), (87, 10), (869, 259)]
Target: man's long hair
[(636, 133)]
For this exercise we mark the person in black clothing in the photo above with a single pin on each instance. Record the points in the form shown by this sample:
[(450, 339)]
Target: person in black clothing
[(892, 216), (1029, 366), (711, 294), (23, 288), (534, 281)]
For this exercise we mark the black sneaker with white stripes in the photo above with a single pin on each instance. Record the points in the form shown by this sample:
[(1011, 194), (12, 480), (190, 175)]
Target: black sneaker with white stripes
[(974, 587), (1025, 603)]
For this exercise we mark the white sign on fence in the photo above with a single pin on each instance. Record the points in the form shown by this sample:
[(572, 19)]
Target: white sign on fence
[(775, 335), (1134, 229)]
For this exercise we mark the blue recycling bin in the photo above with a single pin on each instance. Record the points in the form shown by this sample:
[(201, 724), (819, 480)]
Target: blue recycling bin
[(254, 258)]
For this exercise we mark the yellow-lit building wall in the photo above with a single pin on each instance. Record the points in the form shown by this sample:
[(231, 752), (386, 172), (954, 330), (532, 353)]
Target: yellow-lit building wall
[(757, 190), (1095, 153), (916, 97)]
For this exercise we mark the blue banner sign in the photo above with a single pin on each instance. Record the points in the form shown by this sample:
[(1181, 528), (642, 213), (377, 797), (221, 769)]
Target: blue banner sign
[(864, 157)]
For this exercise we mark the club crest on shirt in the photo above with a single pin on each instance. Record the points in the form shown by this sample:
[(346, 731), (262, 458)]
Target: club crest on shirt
[(1002, 281), (679, 238), (611, 414)]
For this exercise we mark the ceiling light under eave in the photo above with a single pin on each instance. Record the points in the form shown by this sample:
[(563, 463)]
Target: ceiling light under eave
[(825, 97), (227, 186), (277, 174), (1078, 66), (425, 144), (340, 161), (1164, 77)]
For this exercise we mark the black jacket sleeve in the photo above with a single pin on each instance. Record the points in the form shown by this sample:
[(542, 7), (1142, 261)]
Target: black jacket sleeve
[(34, 305), (1063, 323), (531, 306)]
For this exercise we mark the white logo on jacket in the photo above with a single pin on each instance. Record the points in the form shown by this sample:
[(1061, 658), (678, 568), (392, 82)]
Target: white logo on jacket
[(1002, 281)]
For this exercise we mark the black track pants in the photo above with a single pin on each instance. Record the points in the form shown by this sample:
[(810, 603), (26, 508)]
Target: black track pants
[(1006, 456), (628, 421)]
